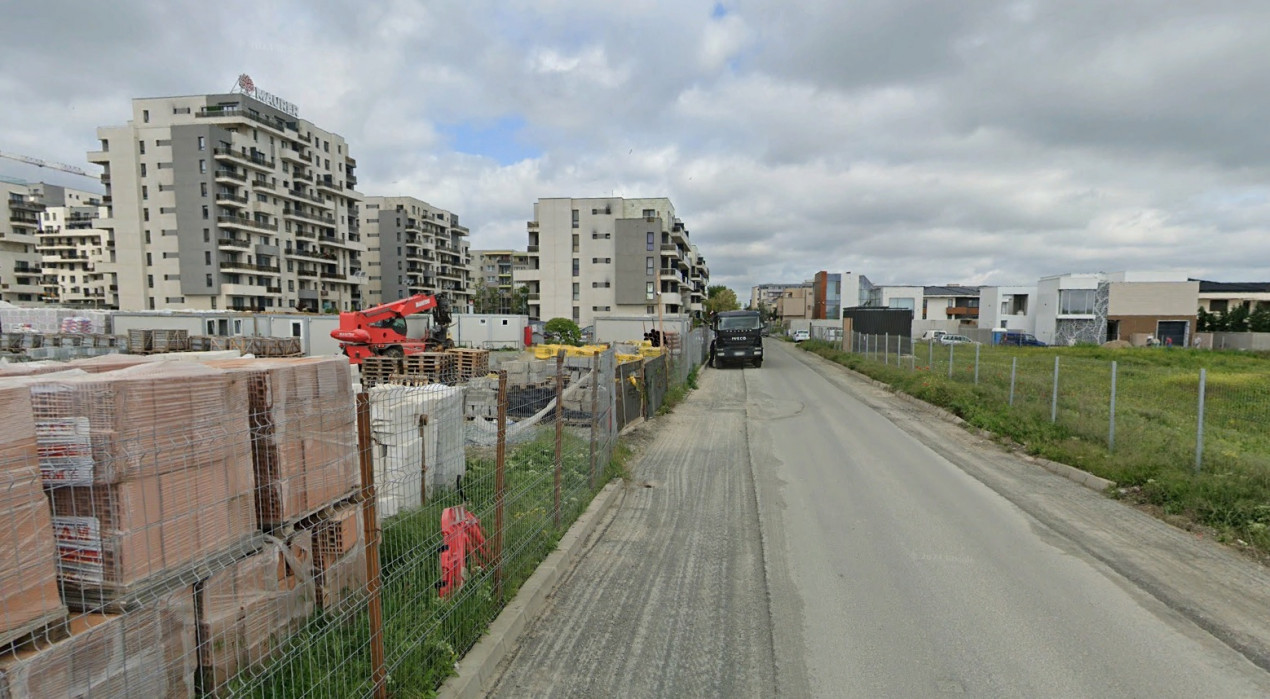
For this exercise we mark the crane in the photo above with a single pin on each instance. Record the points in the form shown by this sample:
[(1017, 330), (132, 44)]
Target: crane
[(40, 163), (382, 329)]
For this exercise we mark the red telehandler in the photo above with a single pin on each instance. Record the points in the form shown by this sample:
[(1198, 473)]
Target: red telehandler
[(381, 330)]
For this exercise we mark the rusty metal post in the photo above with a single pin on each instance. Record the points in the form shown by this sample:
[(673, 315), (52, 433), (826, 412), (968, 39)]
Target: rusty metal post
[(370, 533), (559, 431), (423, 459), (500, 486), (595, 410)]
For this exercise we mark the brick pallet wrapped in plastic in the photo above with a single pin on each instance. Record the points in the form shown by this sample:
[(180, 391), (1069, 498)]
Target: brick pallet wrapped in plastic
[(29, 599), (149, 471), (248, 609), (148, 652), (420, 432), (339, 557), (304, 435)]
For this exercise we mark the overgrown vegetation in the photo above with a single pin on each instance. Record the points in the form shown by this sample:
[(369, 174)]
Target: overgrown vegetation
[(425, 635), (1156, 419), (677, 392)]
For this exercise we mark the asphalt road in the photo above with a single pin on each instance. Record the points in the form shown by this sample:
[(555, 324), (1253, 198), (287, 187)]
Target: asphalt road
[(808, 534)]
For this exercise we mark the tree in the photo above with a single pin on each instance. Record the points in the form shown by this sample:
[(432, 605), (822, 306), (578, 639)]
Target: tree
[(486, 299), (1237, 319), (520, 300), (720, 298), (564, 331)]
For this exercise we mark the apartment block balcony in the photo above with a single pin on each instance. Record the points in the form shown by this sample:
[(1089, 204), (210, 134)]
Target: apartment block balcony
[(243, 221), (227, 198), (334, 275), (296, 213), (311, 254), (332, 185), (263, 183), (225, 173), (239, 114), (252, 159), (231, 265)]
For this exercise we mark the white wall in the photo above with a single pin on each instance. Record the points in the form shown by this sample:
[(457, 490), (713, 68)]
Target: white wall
[(990, 315), (1047, 291), (489, 331)]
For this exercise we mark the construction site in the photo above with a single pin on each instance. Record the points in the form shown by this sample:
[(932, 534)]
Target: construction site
[(218, 516)]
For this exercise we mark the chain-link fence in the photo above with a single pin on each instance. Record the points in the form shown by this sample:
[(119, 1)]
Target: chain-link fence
[(270, 528), (1177, 413)]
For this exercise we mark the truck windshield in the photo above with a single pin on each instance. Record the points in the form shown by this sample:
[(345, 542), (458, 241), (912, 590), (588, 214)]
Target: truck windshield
[(739, 323)]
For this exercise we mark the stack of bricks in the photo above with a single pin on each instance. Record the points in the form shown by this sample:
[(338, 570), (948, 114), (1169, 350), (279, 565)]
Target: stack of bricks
[(29, 598), (148, 470), (339, 557), (303, 435)]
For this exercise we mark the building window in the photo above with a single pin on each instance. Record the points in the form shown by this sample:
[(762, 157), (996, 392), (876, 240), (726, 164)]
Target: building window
[(147, 236), (202, 143), (650, 213), (576, 268), (650, 309), (150, 280), (649, 292), (145, 214), (206, 212), (1076, 301), (145, 115), (648, 266), (651, 241), (207, 257), (209, 280), (576, 242), (143, 174), (142, 146), (202, 188), (575, 218), (207, 235), (577, 291), (202, 166), (577, 314)]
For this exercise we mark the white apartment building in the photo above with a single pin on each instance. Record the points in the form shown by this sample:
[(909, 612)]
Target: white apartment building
[(598, 257), (495, 277), (20, 275), (413, 248), (77, 256), (230, 201)]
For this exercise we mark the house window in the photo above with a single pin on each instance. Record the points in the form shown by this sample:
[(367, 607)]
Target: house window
[(1218, 305), (142, 145), (652, 240), (648, 266), (576, 268), (145, 115), (577, 291), (202, 143), (906, 303), (209, 284), (575, 218), (202, 166), (650, 213), (1076, 301), (202, 188), (649, 292)]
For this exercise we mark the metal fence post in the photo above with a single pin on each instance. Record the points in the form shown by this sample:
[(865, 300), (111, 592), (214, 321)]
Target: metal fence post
[(1111, 428), (886, 348), (1014, 371), (559, 432), (930, 361), (1199, 431), (370, 534), (950, 361), (1054, 396), (595, 407), (500, 472), (976, 364), (912, 361)]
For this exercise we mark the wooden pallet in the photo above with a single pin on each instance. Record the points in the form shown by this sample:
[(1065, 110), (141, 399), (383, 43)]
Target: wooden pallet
[(471, 362), (377, 370), (318, 514), (50, 627)]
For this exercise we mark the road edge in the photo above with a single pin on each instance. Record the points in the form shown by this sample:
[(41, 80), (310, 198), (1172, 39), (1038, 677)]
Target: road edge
[(1071, 473), (479, 667)]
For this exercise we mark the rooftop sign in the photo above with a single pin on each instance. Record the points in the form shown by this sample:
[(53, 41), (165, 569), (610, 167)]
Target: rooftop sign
[(248, 87)]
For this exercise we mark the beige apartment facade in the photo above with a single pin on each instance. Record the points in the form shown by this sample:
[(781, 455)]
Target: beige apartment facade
[(414, 248), (76, 255), (611, 256), (224, 201), (20, 273), (494, 277)]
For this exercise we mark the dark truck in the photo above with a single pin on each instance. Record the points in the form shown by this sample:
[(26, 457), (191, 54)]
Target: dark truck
[(738, 337)]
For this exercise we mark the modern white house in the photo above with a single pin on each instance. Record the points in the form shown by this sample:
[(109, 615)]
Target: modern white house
[(1008, 307)]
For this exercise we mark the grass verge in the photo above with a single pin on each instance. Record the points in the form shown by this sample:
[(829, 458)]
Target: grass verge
[(1156, 420)]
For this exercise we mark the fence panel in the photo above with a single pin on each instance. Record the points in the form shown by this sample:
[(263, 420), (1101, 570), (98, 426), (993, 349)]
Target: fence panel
[(656, 383)]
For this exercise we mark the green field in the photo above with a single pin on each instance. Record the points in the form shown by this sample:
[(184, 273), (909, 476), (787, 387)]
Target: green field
[(1157, 416)]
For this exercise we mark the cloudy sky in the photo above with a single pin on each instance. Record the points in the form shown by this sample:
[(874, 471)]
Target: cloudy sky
[(915, 141)]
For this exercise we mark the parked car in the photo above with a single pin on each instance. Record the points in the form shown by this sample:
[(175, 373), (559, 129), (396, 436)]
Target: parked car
[(956, 340), (931, 335), (1021, 339), (800, 335)]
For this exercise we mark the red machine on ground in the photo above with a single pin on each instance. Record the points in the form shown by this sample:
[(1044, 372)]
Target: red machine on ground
[(382, 329)]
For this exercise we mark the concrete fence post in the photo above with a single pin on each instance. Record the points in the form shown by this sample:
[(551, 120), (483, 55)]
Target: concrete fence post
[(930, 361), (950, 360), (1014, 371), (886, 348), (1054, 395), (1199, 428), (976, 365), (1111, 428)]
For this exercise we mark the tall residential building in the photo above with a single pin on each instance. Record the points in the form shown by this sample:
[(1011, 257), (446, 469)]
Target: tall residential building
[(611, 256), (230, 201), (77, 255), (20, 281), (496, 279), (415, 248)]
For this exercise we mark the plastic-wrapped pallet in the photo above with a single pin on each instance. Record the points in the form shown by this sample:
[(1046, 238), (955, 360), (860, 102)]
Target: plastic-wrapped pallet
[(339, 557), (149, 470), (418, 437), (147, 653), (29, 598), (249, 609), (304, 434)]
